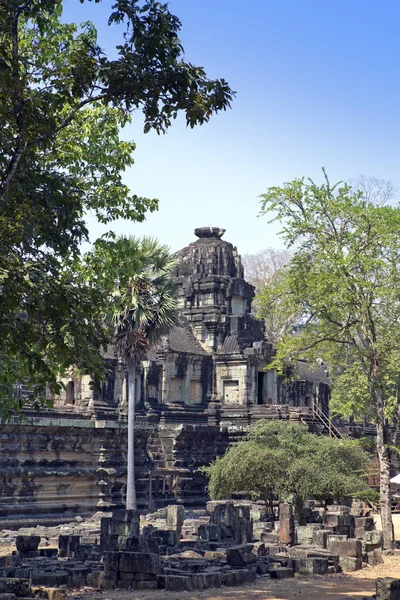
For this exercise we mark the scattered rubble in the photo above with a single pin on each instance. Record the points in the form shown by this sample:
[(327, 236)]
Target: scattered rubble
[(229, 544)]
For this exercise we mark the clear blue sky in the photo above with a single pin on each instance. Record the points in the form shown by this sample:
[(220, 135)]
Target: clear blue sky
[(318, 85)]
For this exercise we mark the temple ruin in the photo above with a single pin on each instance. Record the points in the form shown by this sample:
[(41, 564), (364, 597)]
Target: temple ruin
[(200, 389)]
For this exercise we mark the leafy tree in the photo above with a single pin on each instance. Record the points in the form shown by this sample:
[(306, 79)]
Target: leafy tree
[(143, 310), (62, 105), (279, 460), (344, 278)]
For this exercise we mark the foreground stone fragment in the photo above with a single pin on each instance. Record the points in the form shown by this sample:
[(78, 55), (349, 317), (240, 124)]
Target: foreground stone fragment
[(18, 586), (387, 588)]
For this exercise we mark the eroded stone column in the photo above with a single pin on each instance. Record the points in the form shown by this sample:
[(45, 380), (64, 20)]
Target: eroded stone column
[(286, 524)]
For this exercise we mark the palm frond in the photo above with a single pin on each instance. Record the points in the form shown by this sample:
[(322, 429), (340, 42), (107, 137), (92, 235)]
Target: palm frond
[(147, 303)]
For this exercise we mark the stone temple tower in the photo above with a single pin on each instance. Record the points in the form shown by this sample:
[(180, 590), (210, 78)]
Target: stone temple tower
[(214, 297)]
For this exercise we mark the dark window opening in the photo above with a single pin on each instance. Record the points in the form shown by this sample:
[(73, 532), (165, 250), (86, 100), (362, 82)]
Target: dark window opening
[(260, 387), (70, 392)]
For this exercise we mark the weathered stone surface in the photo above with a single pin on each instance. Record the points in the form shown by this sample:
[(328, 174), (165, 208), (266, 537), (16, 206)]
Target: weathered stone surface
[(49, 578), (281, 572), (178, 583), (269, 537), (210, 532), (345, 548), (350, 563), (175, 518), (305, 533), (240, 556), (146, 585), (203, 581), (387, 588), (139, 562), (259, 549), (111, 562), (374, 539), (315, 566), (236, 519), (27, 543), (236, 578), (320, 537), (18, 586), (68, 545), (287, 534), (374, 557)]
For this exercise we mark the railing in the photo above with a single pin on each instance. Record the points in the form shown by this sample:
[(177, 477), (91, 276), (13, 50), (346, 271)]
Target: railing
[(320, 416)]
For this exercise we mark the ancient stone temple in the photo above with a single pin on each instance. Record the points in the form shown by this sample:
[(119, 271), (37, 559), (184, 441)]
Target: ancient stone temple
[(200, 389)]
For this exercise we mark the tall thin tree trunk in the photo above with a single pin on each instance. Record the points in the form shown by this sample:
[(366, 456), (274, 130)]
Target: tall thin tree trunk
[(130, 478), (384, 473)]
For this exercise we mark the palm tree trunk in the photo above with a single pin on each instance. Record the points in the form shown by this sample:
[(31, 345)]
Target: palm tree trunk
[(131, 503)]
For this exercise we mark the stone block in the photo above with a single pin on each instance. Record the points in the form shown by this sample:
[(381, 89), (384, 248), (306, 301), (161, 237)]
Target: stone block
[(305, 533), (77, 577), (68, 545), (312, 566), (210, 532), (373, 538), (346, 548), (350, 563), (287, 533), (27, 543), (49, 578), (8, 596), (139, 562), (387, 588), (243, 530), (365, 523), (111, 562), (239, 577), (236, 519), (175, 518), (262, 567), (334, 537), (240, 556), (164, 537), (281, 572), (320, 537), (178, 583), (204, 581), (122, 522), (95, 579), (259, 549), (374, 557), (270, 538), (146, 585), (16, 585)]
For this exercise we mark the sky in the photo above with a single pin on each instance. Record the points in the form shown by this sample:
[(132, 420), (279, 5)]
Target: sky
[(318, 85)]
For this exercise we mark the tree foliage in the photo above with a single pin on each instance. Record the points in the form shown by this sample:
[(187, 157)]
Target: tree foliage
[(281, 460), (345, 281), (63, 103)]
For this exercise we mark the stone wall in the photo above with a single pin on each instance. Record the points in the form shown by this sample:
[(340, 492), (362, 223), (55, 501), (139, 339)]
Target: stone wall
[(48, 467)]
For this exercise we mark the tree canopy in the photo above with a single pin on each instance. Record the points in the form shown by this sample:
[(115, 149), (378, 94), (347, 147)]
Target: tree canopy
[(345, 282), (63, 102), (281, 460)]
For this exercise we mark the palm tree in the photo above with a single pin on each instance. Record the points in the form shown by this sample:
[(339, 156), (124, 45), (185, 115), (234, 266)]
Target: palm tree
[(145, 310)]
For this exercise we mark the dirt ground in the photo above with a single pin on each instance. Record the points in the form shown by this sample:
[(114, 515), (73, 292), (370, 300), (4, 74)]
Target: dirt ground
[(349, 586)]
